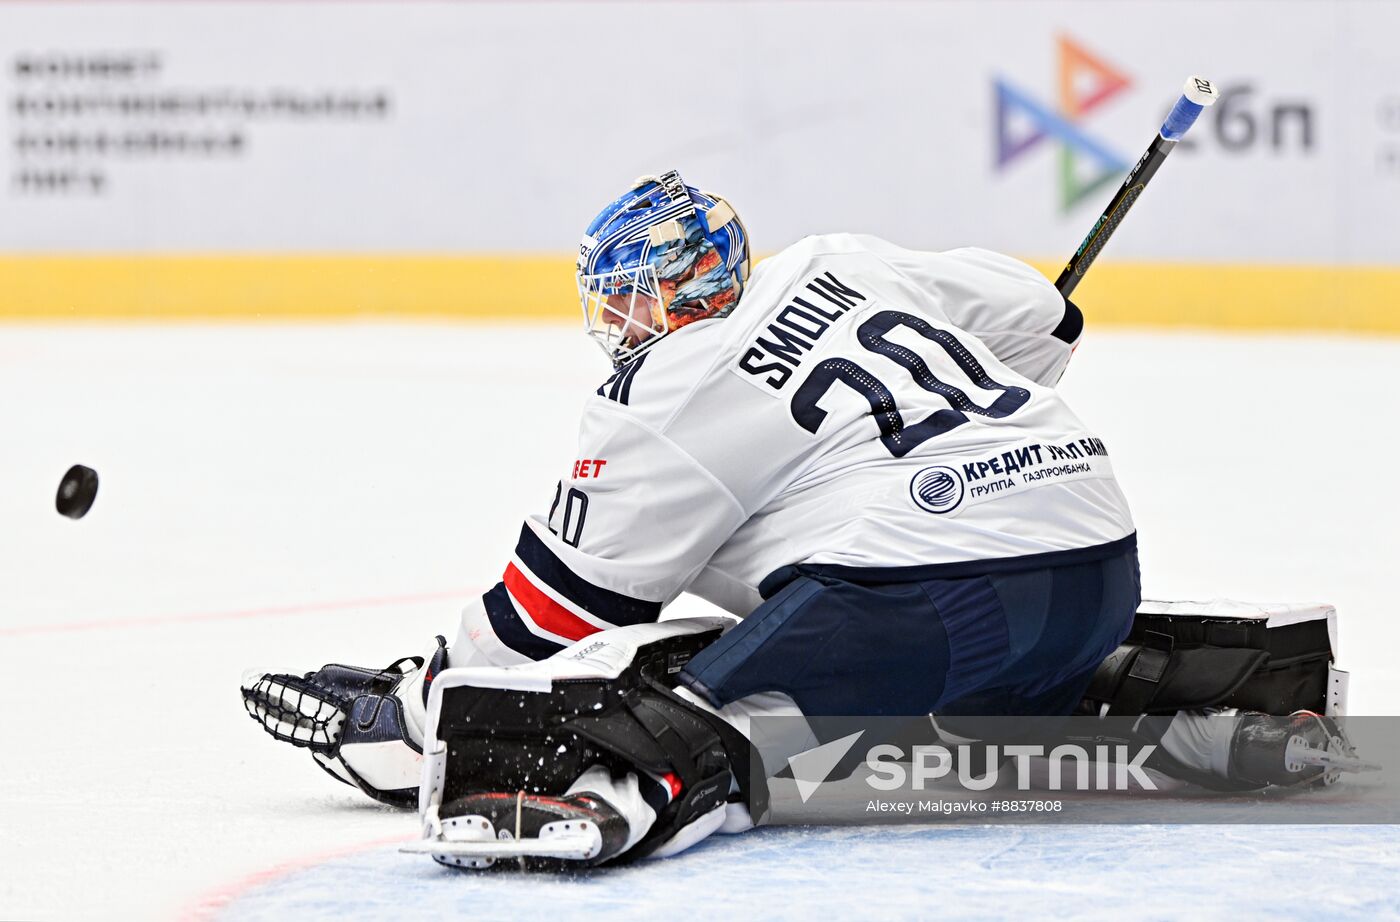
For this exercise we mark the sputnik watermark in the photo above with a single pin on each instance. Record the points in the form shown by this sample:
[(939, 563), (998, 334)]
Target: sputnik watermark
[(1081, 769), (1096, 768), (1105, 768)]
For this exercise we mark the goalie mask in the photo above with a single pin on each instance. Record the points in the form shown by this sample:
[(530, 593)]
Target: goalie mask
[(663, 255)]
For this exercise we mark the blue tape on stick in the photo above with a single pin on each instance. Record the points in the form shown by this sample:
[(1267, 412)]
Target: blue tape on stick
[(1182, 117)]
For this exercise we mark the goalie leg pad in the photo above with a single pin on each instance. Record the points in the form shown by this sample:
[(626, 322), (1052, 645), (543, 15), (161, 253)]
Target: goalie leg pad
[(533, 730), (1190, 655)]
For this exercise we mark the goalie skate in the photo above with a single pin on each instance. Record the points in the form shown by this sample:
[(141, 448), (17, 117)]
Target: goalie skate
[(541, 832), (1301, 749)]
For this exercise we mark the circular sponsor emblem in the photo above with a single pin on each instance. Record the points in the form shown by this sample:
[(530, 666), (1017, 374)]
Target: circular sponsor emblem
[(937, 489)]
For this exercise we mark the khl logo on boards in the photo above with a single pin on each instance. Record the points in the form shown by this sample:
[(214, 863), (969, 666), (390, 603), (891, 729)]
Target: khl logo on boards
[(1037, 121), (937, 489)]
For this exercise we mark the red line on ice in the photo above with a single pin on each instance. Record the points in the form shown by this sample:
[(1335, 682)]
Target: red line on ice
[(267, 612), (206, 905)]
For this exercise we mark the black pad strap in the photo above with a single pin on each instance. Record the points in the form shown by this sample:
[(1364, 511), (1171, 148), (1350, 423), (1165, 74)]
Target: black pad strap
[(676, 746), (742, 756), (1140, 683), (1128, 679), (1155, 678)]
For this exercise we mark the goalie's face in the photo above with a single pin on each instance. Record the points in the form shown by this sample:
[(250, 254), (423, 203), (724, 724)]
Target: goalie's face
[(622, 310), (634, 316)]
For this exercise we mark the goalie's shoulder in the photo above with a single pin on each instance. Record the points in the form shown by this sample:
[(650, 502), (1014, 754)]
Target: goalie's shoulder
[(654, 385)]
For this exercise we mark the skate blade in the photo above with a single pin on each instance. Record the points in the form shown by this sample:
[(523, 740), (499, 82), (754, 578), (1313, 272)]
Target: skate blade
[(580, 842), (1331, 760)]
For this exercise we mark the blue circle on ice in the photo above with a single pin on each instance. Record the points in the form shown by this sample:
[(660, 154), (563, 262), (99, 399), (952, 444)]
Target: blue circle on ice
[(937, 489)]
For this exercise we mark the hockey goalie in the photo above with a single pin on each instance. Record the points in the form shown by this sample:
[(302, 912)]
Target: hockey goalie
[(858, 451)]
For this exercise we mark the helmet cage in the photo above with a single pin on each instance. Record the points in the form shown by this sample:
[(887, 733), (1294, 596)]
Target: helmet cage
[(623, 310)]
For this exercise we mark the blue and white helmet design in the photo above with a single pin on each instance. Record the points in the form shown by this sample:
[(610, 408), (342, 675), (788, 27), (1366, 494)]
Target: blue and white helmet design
[(661, 256)]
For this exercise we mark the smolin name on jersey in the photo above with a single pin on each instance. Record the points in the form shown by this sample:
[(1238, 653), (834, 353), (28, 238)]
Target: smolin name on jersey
[(796, 330)]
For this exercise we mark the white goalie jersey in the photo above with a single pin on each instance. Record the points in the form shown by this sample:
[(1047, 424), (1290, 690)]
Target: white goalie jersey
[(864, 407)]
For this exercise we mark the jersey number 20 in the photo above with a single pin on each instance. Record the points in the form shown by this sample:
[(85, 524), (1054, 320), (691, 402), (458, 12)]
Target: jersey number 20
[(575, 511), (898, 437)]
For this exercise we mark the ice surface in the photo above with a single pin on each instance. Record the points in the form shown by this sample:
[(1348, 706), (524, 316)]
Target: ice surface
[(284, 496), (1079, 872)]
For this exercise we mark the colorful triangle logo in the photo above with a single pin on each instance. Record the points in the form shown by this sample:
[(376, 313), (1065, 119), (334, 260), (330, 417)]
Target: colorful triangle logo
[(1086, 82), (1079, 96)]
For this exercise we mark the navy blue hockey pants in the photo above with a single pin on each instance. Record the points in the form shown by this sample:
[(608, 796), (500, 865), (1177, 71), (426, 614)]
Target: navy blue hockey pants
[(1020, 636)]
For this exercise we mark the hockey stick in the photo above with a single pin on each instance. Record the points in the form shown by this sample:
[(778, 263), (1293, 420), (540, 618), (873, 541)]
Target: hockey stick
[(1197, 94)]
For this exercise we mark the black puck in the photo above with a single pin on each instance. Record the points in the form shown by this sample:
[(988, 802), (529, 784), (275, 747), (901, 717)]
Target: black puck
[(76, 491)]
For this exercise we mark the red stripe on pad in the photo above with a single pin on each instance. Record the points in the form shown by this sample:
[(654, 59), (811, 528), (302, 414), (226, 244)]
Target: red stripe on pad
[(544, 611)]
